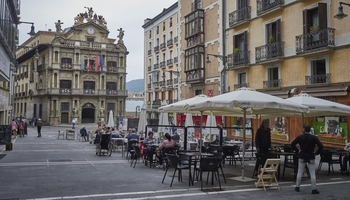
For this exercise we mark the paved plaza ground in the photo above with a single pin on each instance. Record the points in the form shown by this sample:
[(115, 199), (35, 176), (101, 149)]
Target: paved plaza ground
[(51, 168)]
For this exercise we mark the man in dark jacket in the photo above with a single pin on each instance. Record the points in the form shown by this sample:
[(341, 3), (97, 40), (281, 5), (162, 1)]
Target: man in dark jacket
[(262, 143), (307, 154)]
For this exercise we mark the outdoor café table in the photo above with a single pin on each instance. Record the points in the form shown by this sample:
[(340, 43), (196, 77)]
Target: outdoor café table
[(190, 155), (119, 139)]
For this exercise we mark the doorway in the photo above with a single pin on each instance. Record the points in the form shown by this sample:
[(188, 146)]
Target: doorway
[(88, 113)]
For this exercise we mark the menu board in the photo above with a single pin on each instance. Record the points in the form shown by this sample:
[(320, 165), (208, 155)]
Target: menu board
[(5, 134)]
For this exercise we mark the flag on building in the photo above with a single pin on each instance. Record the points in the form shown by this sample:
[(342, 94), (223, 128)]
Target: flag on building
[(88, 64), (101, 63), (82, 65), (97, 63)]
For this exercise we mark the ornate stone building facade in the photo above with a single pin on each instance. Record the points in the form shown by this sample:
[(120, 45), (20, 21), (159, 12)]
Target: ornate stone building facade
[(77, 72)]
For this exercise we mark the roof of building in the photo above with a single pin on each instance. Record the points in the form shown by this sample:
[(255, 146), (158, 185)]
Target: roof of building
[(164, 12)]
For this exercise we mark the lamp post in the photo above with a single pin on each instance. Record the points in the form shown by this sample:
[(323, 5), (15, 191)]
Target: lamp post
[(223, 71), (137, 108), (32, 28), (341, 14)]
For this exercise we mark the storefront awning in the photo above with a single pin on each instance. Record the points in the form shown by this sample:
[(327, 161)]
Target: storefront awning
[(327, 91), (278, 93)]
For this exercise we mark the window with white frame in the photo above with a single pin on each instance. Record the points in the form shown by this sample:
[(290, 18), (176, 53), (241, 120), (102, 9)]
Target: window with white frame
[(318, 70)]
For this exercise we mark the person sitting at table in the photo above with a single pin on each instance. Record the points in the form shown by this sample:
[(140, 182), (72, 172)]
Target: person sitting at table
[(262, 141), (114, 133), (168, 146), (176, 137), (346, 157), (83, 133), (148, 147), (132, 138)]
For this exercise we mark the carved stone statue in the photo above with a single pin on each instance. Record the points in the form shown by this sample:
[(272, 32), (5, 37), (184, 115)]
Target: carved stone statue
[(102, 21), (79, 18), (90, 13), (75, 111), (121, 35), (102, 110), (58, 26)]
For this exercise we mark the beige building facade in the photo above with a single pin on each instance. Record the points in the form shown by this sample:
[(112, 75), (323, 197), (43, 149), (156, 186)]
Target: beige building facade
[(161, 60), (77, 73)]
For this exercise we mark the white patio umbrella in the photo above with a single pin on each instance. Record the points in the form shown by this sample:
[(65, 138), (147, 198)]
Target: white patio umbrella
[(143, 119), (163, 119), (244, 99), (211, 121), (110, 119), (320, 107), (189, 122)]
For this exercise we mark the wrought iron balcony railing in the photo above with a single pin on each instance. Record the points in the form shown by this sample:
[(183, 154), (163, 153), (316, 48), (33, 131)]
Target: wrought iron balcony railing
[(149, 86), (176, 59), (239, 85), (169, 82), (149, 52), (156, 49), (272, 83), (239, 58), (269, 51), (317, 79), (162, 64), (162, 46), (176, 39), (170, 43), (67, 91), (149, 68), (239, 15), (265, 5), (156, 66), (314, 40), (66, 66), (89, 91), (169, 62)]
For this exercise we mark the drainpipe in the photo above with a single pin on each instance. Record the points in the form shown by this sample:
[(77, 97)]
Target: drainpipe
[(223, 72)]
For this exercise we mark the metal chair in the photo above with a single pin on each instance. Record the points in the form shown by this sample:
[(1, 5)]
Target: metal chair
[(327, 157), (174, 162), (60, 133)]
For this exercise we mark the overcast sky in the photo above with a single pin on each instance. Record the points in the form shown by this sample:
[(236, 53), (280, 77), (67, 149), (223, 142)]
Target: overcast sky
[(126, 14)]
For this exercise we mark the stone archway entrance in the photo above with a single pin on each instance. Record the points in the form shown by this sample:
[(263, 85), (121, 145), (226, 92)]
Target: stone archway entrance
[(88, 113)]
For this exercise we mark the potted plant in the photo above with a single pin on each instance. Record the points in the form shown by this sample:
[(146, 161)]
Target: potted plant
[(314, 28), (270, 39), (236, 50)]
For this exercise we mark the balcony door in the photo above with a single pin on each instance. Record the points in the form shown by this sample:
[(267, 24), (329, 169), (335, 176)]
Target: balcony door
[(240, 48), (318, 71), (273, 39), (273, 77), (89, 87), (315, 26)]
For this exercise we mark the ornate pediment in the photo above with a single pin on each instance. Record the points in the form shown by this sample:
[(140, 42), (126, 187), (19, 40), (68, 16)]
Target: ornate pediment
[(89, 77)]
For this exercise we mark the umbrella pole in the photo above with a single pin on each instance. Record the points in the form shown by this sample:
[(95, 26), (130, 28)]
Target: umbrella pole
[(244, 134), (302, 120), (257, 125), (200, 134)]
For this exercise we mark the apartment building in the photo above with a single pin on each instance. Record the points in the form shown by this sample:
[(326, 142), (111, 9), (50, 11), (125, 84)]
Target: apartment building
[(286, 47), (77, 72), (9, 9), (161, 60)]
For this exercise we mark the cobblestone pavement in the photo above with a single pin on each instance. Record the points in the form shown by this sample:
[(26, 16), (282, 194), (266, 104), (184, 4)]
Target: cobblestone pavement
[(51, 168)]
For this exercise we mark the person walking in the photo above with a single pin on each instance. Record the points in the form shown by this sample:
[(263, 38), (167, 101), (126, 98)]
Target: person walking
[(33, 121), (39, 123), (13, 125), (307, 154), (21, 129), (73, 123)]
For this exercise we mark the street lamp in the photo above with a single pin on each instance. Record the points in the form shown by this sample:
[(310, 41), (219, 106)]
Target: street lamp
[(32, 28), (223, 71), (36, 54), (137, 108), (341, 14)]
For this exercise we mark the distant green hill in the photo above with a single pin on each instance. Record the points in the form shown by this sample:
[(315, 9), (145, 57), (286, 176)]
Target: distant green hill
[(136, 85)]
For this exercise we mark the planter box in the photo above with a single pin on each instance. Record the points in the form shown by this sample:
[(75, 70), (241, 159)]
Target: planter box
[(279, 137), (333, 140)]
